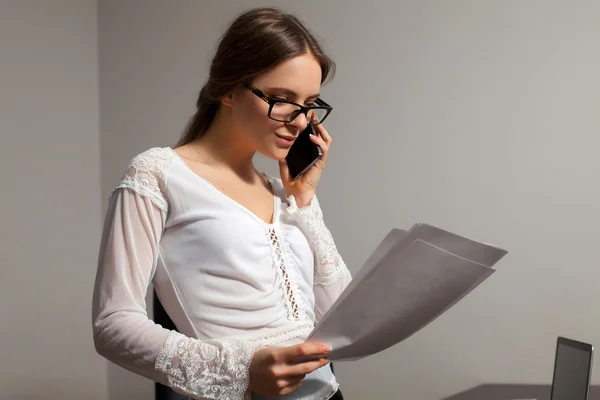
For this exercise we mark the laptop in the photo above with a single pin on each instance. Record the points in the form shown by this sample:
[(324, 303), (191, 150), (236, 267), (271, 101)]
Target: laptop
[(572, 370)]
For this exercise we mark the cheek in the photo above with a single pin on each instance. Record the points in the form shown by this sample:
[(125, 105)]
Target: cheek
[(254, 120), (249, 114)]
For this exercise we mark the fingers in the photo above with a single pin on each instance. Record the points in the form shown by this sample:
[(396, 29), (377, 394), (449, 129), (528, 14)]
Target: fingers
[(285, 386), (291, 353), (319, 141), (322, 139), (322, 132), (283, 374), (307, 367), (290, 388)]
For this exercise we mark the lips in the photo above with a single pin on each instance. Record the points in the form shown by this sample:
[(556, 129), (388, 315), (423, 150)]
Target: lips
[(290, 138), (285, 141)]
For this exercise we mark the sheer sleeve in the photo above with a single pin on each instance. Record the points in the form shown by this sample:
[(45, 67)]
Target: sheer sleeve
[(123, 333), (331, 274)]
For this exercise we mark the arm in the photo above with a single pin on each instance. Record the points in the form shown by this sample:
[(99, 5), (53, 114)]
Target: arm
[(125, 335), (331, 274)]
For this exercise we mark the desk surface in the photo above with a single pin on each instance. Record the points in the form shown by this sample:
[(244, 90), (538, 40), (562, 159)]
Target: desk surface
[(512, 391)]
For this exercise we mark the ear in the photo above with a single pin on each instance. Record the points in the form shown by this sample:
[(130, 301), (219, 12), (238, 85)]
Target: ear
[(228, 99)]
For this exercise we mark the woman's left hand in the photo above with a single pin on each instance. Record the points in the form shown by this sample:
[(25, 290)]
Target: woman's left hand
[(304, 188)]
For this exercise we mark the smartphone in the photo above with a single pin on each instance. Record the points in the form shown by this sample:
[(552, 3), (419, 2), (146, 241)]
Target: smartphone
[(303, 154)]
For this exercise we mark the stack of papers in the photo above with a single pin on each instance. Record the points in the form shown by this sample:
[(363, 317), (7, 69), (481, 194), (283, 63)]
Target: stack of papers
[(412, 278)]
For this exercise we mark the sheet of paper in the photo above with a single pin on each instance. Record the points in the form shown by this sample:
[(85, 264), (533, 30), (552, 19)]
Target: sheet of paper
[(392, 238), (399, 240), (478, 252), (410, 279)]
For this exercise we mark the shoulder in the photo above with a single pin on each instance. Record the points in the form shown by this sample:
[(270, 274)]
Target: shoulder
[(152, 162), (146, 174)]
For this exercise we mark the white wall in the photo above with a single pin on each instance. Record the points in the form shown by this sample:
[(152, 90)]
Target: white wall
[(481, 117), (50, 185)]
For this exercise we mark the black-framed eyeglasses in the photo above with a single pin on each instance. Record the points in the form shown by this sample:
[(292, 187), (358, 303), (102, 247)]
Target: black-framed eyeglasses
[(286, 111)]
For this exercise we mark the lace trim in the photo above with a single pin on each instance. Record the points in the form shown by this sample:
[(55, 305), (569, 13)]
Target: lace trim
[(295, 275), (329, 265), (215, 369), (145, 175), (287, 277), (273, 336)]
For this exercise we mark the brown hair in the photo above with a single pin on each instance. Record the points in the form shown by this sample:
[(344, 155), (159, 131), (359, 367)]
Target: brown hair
[(256, 41)]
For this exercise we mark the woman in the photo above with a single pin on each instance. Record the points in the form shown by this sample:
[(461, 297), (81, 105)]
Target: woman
[(241, 261)]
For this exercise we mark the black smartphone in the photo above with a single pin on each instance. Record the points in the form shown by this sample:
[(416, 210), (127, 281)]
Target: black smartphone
[(303, 154)]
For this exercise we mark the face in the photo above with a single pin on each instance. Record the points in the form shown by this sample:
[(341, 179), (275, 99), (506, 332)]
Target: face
[(298, 80)]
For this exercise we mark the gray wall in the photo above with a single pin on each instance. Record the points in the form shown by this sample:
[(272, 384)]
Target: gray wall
[(480, 117), (50, 179)]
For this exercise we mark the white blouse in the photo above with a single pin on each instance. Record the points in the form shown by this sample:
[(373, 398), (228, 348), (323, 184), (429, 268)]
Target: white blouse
[(230, 282)]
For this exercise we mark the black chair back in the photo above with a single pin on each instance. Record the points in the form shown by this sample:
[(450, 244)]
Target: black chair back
[(162, 392)]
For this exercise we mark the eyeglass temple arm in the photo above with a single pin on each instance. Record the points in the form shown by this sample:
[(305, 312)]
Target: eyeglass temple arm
[(321, 102), (258, 92)]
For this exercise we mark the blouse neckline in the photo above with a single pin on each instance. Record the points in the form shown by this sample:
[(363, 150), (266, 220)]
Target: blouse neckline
[(275, 216)]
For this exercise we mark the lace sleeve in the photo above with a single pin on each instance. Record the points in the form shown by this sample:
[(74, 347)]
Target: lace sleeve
[(331, 274), (217, 369), (329, 266)]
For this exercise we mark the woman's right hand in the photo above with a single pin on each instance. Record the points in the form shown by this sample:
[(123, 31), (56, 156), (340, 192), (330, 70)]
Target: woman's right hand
[(273, 371)]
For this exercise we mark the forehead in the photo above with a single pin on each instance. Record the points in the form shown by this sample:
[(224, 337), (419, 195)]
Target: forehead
[(301, 74)]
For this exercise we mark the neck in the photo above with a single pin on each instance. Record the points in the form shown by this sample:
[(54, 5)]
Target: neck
[(222, 147)]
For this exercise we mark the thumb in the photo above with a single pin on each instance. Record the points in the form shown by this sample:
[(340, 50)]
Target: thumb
[(284, 171)]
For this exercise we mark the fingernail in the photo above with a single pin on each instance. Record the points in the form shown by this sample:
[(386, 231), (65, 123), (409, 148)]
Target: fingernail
[(327, 349)]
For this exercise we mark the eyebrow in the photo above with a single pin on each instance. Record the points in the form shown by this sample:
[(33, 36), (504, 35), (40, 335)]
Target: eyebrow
[(289, 92)]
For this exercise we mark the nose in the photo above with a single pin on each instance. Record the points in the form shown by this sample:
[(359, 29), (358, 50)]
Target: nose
[(300, 122)]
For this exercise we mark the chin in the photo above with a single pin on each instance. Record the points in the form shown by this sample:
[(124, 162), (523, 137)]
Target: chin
[(276, 154), (280, 155)]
